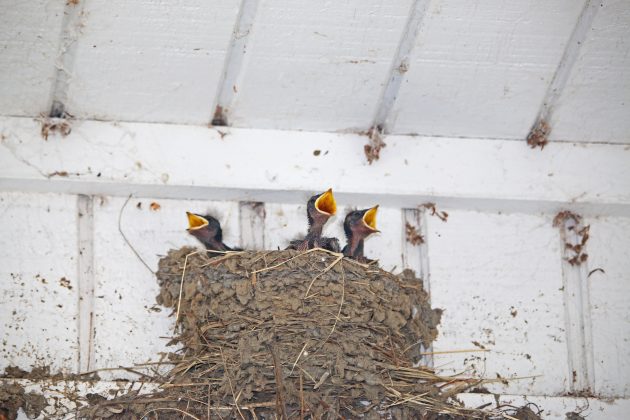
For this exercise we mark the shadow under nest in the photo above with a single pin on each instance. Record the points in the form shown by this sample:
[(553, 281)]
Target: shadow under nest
[(284, 334)]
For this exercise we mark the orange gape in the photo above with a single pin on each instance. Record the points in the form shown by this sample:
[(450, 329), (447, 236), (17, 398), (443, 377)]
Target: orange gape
[(326, 203)]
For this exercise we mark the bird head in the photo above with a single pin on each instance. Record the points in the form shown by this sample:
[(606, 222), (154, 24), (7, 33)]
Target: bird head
[(205, 228), (361, 223), (321, 207)]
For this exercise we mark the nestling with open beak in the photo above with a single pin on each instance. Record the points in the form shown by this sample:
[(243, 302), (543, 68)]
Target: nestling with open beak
[(358, 225), (208, 231), (319, 209)]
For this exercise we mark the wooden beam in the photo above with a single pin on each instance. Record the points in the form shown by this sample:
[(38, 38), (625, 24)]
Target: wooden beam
[(400, 64), (563, 71), (173, 161), (234, 59), (71, 25)]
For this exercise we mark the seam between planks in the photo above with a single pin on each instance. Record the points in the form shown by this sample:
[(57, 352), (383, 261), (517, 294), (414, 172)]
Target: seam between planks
[(252, 225), (86, 283), (577, 314), (416, 258)]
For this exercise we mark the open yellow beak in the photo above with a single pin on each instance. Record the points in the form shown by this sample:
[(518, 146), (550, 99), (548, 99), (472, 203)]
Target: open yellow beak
[(195, 222), (326, 203), (369, 218)]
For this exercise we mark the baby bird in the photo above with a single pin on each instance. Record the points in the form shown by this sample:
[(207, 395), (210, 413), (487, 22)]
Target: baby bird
[(358, 225), (208, 231), (319, 209)]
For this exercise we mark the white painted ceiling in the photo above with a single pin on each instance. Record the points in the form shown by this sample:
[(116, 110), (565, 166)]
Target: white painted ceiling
[(455, 68)]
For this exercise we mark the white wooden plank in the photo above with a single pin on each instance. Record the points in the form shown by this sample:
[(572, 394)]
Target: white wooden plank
[(29, 39), (151, 61), (498, 278), (317, 66), (595, 104), (129, 325), (386, 246), (481, 68), (38, 281), (285, 222), (252, 225), (557, 408), (415, 255), (281, 166), (610, 313)]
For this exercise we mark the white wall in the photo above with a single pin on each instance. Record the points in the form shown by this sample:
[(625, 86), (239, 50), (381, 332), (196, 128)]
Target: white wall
[(456, 85), (496, 266)]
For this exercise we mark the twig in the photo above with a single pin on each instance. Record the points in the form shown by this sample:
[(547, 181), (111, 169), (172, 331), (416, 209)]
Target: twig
[(408, 399), (343, 295), (277, 370), (169, 409), (430, 353), (139, 365), (298, 358), (267, 404), (322, 379), (125, 237), (188, 384), (453, 351), (181, 286), (216, 261), (327, 269), (227, 374), (307, 374), (297, 256), (301, 397), (391, 344)]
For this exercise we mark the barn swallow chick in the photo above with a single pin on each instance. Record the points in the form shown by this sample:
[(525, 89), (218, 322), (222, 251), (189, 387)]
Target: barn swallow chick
[(358, 225), (208, 231), (319, 209)]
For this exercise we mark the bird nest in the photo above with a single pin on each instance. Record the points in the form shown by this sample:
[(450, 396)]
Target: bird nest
[(284, 334)]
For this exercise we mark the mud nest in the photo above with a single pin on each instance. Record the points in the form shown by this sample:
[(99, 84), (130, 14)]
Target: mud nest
[(282, 334)]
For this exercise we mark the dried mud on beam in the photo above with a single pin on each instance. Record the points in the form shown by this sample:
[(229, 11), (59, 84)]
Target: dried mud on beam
[(283, 334), (13, 398)]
